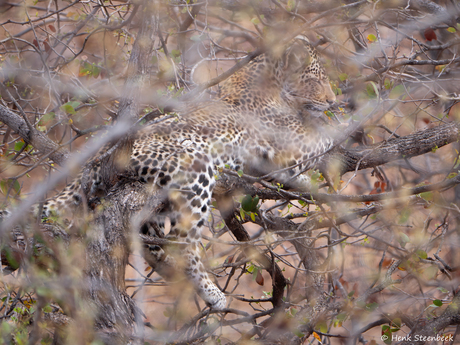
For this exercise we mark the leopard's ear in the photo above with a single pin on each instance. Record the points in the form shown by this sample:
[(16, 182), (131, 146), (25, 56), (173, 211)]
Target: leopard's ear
[(298, 55)]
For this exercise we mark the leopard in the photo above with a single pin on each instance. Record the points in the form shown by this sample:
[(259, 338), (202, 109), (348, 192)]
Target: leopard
[(264, 121)]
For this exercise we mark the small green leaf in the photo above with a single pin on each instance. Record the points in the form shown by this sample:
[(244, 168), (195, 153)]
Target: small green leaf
[(19, 145), (422, 254), (341, 316), (437, 303), (396, 322), (68, 108), (428, 196), (47, 309), (451, 29), (16, 186), (388, 84), (372, 306), (240, 173), (386, 334), (47, 117), (246, 203), (249, 204), (403, 239), (322, 326), (442, 290), (372, 90), (397, 91), (255, 21), (242, 214), (371, 38), (343, 76)]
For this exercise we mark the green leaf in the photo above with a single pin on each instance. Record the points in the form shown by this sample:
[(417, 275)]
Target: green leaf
[(95, 71), (240, 173), (47, 117), (386, 334), (255, 21), (396, 322), (343, 76), (74, 103), (6, 184), (329, 113), (69, 107), (371, 89), (246, 203), (249, 204), (397, 91), (341, 316), (47, 309), (255, 271), (428, 196), (403, 239), (422, 254), (388, 84), (19, 145), (451, 29), (242, 214), (302, 203), (404, 217), (442, 290), (321, 326), (16, 186), (437, 303), (372, 306), (371, 38)]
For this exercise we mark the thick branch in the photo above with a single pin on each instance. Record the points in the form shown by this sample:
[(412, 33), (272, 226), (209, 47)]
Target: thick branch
[(412, 145), (37, 139)]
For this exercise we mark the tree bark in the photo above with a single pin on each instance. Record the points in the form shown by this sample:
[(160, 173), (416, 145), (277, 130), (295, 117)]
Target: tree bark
[(33, 137)]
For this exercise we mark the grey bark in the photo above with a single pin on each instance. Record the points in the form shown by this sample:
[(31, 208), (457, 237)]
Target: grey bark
[(34, 137)]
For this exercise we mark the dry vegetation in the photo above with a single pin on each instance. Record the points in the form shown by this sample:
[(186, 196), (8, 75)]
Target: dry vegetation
[(372, 251)]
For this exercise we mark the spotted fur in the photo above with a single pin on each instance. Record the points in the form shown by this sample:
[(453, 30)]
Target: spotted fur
[(261, 123)]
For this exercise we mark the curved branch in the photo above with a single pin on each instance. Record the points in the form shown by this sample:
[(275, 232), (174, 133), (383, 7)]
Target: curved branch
[(412, 145), (32, 136)]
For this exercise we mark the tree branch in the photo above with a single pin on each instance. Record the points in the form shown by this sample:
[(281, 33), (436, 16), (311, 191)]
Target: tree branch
[(33, 137)]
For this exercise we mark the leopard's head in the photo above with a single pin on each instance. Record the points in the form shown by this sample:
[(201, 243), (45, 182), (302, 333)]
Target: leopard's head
[(305, 84)]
